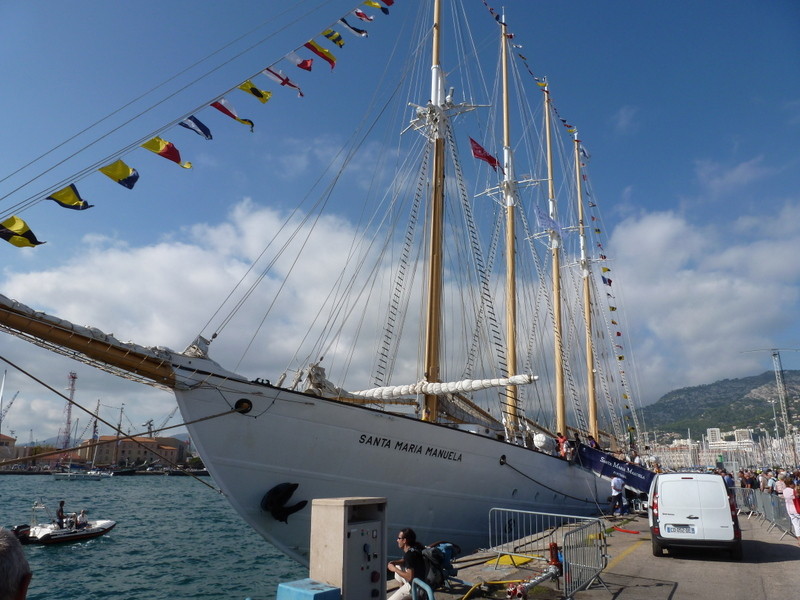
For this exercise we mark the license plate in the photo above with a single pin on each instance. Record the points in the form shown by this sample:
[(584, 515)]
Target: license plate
[(680, 529)]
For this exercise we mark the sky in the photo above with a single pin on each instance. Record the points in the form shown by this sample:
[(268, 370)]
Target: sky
[(691, 112)]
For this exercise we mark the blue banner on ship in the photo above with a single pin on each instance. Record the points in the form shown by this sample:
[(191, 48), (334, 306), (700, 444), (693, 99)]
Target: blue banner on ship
[(606, 465)]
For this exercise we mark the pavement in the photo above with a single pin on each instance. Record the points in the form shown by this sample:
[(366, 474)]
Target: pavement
[(767, 571)]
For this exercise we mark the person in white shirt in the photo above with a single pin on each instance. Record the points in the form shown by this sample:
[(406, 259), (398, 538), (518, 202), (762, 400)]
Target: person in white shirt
[(618, 494)]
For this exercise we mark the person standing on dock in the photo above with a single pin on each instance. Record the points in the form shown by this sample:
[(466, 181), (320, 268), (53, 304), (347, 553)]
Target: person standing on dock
[(410, 566), (617, 496), (15, 573)]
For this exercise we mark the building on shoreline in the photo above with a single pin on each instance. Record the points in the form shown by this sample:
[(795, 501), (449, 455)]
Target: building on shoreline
[(138, 450)]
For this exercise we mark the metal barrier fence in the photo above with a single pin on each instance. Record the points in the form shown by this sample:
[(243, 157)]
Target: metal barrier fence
[(580, 541), (764, 506), (585, 556)]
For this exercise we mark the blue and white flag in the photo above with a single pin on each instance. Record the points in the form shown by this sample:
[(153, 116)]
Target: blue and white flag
[(197, 126), (546, 222)]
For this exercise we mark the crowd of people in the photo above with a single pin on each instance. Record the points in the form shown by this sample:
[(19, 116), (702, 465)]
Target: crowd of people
[(781, 482), (769, 480)]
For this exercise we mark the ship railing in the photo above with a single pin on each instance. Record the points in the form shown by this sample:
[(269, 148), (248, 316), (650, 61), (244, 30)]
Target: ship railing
[(577, 544)]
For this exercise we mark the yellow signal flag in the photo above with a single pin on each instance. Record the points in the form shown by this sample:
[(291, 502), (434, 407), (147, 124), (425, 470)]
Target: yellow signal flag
[(16, 232), (263, 96)]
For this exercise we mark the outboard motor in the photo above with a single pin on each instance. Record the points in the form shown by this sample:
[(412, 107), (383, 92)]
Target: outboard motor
[(23, 533)]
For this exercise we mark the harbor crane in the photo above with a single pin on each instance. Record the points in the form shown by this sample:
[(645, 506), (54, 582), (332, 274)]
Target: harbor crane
[(4, 411), (65, 436), (781, 385), (168, 417), (149, 423)]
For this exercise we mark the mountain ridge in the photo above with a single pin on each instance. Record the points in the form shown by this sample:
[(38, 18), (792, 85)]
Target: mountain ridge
[(743, 403)]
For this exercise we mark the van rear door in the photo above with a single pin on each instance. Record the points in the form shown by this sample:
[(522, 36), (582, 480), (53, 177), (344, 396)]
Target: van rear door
[(695, 508), (717, 522)]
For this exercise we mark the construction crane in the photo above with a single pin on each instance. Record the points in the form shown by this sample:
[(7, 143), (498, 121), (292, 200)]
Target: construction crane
[(4, 411), (781, 385), (65, 437), (149, 423), (166, 420)]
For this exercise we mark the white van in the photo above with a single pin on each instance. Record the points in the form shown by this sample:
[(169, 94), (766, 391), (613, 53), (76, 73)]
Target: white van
[(693, 510)]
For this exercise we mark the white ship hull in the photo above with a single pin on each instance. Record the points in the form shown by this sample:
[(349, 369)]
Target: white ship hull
[(438, 480)]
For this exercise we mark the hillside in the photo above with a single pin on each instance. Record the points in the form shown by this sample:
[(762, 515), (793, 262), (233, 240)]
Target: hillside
[(727, 404)]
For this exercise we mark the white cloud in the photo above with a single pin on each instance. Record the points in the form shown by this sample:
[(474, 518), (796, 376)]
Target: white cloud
[(695, 298), (699, 297), (792, 108), (163, 294), (625, 120), (719, 180)]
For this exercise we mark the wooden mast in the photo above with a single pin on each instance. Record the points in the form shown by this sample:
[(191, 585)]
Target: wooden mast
[(119, 430), (435, 261), (555, 249), (591, 389), (509, 197)]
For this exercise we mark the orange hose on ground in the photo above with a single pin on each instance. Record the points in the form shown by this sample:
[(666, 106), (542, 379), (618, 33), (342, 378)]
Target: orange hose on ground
[(626, 530)]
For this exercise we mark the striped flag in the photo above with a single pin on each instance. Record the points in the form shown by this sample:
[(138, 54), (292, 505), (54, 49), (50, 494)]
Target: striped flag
[(16, 232), (362, 15), (194, 124), (69, 198), (354, 30), (323, 53), (334, 36), (226, 108)]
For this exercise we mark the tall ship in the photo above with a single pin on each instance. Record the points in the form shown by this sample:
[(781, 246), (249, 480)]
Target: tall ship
[(469, 324)]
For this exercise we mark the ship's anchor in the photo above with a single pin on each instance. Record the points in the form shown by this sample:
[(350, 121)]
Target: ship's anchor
[(274, 501)]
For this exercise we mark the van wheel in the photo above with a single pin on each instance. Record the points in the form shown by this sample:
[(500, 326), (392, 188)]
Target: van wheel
[(736, 552), (657, 549)]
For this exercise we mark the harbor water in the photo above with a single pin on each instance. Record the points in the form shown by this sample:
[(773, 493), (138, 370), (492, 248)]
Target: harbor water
[(175, 539)]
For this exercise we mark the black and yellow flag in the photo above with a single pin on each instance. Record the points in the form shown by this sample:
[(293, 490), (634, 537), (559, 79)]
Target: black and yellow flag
[(262, 95), (16, 231), (69, 198)]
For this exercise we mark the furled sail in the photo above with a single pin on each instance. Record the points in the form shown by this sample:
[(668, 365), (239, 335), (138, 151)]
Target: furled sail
[(440, 388)]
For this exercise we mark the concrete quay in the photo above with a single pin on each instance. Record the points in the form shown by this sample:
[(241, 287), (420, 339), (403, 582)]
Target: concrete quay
[(767, 571)]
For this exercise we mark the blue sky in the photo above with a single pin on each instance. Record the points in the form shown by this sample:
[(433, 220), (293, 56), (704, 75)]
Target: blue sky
[(691, 112)]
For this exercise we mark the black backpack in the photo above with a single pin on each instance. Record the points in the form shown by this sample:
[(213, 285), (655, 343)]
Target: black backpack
[(434, 570), (437, 563)]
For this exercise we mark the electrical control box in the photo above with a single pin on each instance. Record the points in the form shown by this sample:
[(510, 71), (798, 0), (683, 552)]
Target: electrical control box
[(348, 545)]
